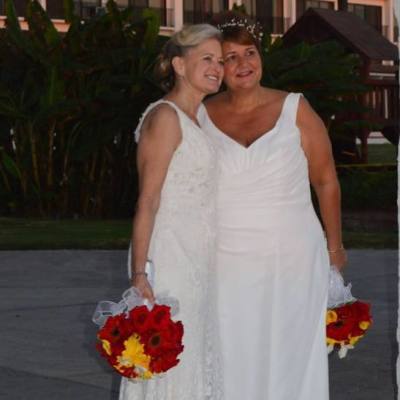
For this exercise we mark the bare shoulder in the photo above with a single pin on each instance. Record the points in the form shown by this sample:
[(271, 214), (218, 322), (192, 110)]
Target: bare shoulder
[(307, 117), (162, 123), (273, 96), (162, 115)]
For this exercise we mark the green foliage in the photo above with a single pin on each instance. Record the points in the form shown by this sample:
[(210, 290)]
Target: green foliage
[(68, 107), (323, 72), (69, 104), (328, 77), (239, 8), (364, 189)]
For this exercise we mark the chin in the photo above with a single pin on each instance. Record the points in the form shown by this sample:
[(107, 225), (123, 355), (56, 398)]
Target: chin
[(247, 84), (211, 89)]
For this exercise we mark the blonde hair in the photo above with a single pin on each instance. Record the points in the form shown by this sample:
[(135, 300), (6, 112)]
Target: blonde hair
[(177, 46)]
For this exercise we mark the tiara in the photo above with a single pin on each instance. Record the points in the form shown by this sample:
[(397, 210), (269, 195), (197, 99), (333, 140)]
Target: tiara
[(253, 29)]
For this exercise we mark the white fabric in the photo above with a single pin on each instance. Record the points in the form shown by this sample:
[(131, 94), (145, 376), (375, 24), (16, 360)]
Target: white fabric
[(132, 298), (182, 249), (272, 267), (338, 293)]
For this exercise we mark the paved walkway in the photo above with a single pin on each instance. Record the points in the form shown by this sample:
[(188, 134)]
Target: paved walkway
[(47, 339)]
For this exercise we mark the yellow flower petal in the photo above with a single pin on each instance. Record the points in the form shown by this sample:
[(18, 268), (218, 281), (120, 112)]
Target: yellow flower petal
[(364, 325), (353, 340), (332, 342), (134, 355), (331, 317), (106, 346)]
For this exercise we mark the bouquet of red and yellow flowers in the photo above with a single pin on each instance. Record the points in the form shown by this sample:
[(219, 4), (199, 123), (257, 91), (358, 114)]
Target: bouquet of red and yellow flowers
[(142, 343), (139, 342), (347, 319)]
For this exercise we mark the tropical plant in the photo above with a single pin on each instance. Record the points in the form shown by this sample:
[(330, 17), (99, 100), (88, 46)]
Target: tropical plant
[(328, 76), (69, 104), (68, 108)]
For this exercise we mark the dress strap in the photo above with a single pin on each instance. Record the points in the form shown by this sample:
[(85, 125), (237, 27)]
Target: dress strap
[(291, 106), (149, 109)]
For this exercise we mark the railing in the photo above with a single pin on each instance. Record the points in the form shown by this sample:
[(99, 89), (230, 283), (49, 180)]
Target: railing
[(384, 104)]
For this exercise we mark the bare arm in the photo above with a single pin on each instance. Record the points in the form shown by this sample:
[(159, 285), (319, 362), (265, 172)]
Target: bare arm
[(160, 136), (317, 148)]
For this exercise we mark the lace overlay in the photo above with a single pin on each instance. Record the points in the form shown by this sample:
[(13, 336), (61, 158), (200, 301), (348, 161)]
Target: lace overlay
[(182, 249)]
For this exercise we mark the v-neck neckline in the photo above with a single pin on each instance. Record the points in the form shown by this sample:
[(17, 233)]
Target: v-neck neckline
[(265, 134)]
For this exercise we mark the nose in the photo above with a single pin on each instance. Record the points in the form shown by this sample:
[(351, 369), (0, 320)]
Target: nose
[(241, 60), (217, 66)]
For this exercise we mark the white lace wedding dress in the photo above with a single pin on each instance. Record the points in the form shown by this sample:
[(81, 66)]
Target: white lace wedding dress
[(272, 266), (182, 250)]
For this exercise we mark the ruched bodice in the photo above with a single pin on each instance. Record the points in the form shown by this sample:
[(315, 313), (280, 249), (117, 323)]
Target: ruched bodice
[(272, 266)]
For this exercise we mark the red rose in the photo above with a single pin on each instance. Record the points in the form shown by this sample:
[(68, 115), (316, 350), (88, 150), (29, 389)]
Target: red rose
[(345, 312), (140, 319), (343, 327), (160, 316), (157, 342), (165, 362), (340, 330), (362, 310), (116, 329)]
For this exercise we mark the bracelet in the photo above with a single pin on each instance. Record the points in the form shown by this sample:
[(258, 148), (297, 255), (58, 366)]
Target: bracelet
[(139, 273), (341, 248)]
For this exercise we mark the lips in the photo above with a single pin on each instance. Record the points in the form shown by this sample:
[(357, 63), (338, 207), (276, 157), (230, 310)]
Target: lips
[(244, 74)]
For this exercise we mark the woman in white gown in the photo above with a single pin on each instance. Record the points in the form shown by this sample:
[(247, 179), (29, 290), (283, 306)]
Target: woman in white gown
[(174, 221), (272, 258)]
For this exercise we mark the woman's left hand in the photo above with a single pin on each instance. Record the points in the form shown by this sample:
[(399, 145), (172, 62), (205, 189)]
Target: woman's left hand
[(338, 259)]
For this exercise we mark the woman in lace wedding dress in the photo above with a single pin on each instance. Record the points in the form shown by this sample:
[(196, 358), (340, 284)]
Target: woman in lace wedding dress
[(272, 257), (174, 221)]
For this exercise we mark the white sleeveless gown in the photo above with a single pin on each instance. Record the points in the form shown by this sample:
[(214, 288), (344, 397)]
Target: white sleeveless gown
[(182, 249), (272, 267)]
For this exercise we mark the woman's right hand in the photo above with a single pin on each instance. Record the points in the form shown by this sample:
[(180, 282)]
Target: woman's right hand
[(141, 283)]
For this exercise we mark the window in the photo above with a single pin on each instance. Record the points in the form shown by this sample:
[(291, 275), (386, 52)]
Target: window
[(371, 14), (196, 11), (86, 8), (164, 8), (270, 15), (303, 5), (55, 9), (20, 7)]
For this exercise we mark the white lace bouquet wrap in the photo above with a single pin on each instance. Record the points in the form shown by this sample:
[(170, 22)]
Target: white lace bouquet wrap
[(347, 318), (132, 298), (138, 339)]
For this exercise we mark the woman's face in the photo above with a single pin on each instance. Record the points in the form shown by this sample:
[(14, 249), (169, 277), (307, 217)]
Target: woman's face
[(202, 67), (242, 65)]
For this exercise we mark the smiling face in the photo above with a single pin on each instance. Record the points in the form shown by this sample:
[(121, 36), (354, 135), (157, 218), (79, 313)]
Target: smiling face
[(243, 67), (201, 67)]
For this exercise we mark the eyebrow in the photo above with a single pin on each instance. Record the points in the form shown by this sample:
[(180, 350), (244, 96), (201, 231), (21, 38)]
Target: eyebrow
[(252, 47)]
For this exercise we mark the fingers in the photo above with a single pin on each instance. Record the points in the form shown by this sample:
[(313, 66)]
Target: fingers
[(148, 294), (145, 289)]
